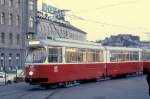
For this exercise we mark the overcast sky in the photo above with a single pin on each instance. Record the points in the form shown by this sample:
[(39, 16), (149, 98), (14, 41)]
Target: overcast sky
[(102, 18)]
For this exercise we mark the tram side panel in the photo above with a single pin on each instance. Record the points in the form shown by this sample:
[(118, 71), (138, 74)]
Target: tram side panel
[(146, 66), (123, 61), (114, 69), (65, 72), (146, 60)]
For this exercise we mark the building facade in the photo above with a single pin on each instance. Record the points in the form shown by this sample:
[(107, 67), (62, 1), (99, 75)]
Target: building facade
[(59, 29), (19, 22), (16, 19), (51, 23)]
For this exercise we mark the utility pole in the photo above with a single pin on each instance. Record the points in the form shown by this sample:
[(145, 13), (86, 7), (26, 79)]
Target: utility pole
[(5, 74)]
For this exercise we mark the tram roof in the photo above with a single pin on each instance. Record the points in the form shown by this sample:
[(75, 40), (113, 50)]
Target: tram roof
[(147, 50), (77, 44), (67, 43), (123, 48)]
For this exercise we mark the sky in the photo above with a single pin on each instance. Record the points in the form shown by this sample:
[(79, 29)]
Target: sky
[(103, 18)]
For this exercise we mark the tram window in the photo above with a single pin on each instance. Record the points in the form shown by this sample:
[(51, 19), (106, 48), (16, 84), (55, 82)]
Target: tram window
[(134, 56), (71, 55), (36, 55), (90, 55), (99, 56), (125, 55), (55, 54), (116, 56), (80, 55), (146, 56)]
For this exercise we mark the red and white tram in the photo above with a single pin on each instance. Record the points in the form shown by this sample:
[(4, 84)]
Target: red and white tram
[(63, 61), (123, 61), (146, 59)]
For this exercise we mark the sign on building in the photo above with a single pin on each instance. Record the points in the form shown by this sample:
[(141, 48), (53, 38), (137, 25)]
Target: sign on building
[(48, 9)]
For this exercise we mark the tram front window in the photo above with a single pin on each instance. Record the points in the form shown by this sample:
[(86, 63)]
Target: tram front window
[(36, 55)]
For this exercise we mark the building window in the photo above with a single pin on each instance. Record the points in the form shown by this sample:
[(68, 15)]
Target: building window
[(2, 61), (10, 19), (3, 37), (2, 18), (18, 39), (17, 20), (2, 2), (10, 3), (10, 62), (10, 38), (31, 22), (18, 61), (18, 4), (31, 5)]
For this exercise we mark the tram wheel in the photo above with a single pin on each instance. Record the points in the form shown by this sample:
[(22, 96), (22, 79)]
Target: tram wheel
[(70, 84)]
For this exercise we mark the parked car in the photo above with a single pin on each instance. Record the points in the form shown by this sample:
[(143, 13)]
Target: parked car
[(4, 77)]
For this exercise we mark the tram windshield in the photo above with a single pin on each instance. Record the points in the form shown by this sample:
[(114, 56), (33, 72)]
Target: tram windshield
[(36, 55)]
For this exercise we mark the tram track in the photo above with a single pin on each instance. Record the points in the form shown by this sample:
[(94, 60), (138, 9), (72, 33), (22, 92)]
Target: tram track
[(22, 95), (19, 96), (49, 96), (8, 94)]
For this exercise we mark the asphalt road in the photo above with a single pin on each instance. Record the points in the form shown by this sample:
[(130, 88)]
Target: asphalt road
[(124, 88)]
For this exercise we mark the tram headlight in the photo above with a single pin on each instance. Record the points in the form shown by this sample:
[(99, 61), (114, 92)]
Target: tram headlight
[(31, 73)]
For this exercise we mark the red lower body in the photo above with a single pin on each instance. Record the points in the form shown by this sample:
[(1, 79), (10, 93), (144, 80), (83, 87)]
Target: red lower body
[(114, 69), (55, 73), (146, 66), (66, 72)]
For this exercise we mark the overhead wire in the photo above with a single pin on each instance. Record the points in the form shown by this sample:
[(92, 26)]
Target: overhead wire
[(73, 15), (107, 6), (103, 23)]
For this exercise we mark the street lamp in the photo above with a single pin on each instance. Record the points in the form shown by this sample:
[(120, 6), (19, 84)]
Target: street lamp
[(3, 63), (5, 73)]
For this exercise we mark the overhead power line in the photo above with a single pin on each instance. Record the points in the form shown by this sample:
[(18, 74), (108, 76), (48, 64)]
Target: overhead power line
[(108, 6), (103, 23)]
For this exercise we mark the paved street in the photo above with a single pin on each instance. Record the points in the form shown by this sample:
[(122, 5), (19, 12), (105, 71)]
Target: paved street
[(126, 88)]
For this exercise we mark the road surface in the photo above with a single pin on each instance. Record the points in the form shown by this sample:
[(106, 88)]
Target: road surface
[(124, 88)]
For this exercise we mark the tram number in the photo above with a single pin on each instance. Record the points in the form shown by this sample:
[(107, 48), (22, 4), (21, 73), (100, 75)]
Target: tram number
[(55, 69)]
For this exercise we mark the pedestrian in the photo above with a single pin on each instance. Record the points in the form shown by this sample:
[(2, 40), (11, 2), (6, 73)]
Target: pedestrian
[(148, 79)]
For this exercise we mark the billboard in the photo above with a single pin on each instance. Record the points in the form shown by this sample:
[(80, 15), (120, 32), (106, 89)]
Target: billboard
[(45, 7)]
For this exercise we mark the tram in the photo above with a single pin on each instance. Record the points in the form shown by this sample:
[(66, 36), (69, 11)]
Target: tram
[(122, 61), (146, 60), (66, 62)]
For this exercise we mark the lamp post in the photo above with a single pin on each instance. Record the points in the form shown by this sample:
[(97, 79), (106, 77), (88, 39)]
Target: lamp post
[(16, 74), (3, 58), (5, 73), (17, 65)]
